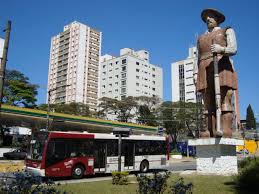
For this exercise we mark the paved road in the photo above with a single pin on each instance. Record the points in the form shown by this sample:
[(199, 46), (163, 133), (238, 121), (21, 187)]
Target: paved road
[(174, 167), (182, 166)]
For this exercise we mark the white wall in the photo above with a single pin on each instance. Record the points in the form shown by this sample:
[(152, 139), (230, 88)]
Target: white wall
[(81, 65)]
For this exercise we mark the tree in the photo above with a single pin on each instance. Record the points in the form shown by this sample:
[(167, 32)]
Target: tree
[(121, 109), (18, 91), (125, 107), (250, 118), (146, 116), (107, 106), (178, 118), (72, 108), (147, 109)]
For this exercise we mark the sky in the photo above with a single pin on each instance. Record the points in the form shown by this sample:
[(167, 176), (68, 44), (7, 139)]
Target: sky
[(165, 28)]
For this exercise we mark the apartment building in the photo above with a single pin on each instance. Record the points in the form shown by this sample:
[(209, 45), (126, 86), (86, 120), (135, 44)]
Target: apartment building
[(74, 65), (130, 74), (183, 88)]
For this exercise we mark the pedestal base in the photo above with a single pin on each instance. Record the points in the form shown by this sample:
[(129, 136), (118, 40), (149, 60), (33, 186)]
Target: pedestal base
[(216, 155)]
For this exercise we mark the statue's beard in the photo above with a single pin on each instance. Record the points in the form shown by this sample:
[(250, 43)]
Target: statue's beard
[(212, 25)]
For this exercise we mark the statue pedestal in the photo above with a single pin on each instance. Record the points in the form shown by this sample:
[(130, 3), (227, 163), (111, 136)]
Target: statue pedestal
[(216, 155)]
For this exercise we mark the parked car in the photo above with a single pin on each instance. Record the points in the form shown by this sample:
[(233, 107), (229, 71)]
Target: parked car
[(18, 154)]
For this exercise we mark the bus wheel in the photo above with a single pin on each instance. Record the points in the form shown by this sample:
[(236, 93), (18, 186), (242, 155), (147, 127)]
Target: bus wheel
[(78, 171), (144, 166)]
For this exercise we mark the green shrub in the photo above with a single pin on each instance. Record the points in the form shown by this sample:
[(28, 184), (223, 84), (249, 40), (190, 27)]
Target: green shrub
[(120, 178), (243, 163), (24, 183), (179, 187), (155, 184), (248, 177)]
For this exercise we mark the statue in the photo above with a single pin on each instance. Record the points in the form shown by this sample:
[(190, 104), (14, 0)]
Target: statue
[(214, 75)]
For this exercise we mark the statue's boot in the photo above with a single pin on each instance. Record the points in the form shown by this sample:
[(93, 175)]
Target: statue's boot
[(227, 124)]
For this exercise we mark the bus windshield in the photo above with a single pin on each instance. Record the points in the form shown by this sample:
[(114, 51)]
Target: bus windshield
[(37, 145)]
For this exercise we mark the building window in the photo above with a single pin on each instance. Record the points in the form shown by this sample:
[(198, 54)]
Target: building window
[(123, 75), (123, 82), (137, 70), (154, 89), (137, 84), (181, 83), (123, 97), (153, 68), (137, 63), (124, 61), (137, 77), (123, 90), (153, 75), (123, 68), (117, 76)]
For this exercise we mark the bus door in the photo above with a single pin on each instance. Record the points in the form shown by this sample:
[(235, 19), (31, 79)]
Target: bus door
[(100, 155), (129, 154)]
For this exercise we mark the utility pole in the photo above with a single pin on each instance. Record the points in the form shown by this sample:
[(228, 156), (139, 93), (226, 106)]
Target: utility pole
[(2, 69), (4, 59)]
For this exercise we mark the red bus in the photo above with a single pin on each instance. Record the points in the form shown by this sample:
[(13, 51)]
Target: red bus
[(63, 154)]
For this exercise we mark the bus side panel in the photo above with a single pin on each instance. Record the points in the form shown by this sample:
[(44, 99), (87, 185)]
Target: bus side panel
[(155, 161), (60, 169), (64, 167)]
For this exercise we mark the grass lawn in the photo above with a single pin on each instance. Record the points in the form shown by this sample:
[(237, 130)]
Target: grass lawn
[(202, 184)]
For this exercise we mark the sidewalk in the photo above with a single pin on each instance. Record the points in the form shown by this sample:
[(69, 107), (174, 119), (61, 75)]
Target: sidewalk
[(184, 159)]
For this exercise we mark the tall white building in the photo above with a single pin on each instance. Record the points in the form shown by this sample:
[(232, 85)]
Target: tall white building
[(74, 65), (183, 88), (130, 74), (1, 49)]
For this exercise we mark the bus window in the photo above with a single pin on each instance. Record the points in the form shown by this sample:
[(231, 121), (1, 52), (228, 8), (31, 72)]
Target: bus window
[(112, 148), (157, 148), (142, 147), (56, 151), (80, 147), (37, 145)]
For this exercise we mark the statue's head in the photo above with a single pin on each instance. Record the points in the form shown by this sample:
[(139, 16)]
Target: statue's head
[(212, 17)]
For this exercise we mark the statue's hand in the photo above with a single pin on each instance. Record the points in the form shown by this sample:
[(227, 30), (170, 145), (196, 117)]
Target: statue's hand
[(216, 48)]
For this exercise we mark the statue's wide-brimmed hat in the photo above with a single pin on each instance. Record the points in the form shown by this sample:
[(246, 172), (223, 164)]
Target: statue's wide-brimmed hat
[(220, 17)]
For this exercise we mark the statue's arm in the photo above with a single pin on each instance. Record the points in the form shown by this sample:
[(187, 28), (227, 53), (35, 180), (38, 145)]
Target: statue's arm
[(231, 48)]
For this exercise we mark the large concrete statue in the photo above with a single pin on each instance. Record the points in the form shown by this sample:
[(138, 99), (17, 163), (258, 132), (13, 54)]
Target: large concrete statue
[(214, 75)]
